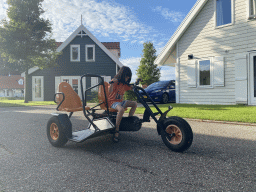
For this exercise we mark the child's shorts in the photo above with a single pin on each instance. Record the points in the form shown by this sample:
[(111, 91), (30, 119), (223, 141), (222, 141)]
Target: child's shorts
[(114, 105)]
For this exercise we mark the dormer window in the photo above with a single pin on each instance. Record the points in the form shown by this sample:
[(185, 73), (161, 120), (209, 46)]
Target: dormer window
[(223, 12), (74, 52), (90, 53), (20, 82)]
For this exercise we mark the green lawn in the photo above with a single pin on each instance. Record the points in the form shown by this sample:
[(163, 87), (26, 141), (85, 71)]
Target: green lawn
[(238, 113), (20, 103)]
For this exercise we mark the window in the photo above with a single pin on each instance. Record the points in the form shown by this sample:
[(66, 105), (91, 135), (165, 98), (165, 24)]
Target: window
[(223, 12), (204, 71), (75, 53), (75, 85), (90, 53), (252, 8), (66, 80), (20, 82), (207, 73)]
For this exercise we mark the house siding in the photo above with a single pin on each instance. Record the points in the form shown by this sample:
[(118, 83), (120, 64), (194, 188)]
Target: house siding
[(203, 40), (103, 65)]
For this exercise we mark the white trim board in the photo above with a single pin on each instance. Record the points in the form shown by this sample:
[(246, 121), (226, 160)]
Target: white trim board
[(180, 31), (31, 70)]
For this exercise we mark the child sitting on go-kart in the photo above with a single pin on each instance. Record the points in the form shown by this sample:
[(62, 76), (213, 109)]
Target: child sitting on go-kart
[(118, 86)]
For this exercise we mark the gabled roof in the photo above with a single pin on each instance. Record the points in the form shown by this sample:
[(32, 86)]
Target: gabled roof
[(83, 29), (111, 45), (161, 58), (11, 82), (58, 44)]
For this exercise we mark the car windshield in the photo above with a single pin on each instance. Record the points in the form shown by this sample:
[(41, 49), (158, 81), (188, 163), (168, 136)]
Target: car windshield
[(158, 84)]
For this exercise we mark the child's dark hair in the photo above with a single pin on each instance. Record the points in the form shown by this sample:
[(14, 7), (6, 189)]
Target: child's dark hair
[(122, 73)]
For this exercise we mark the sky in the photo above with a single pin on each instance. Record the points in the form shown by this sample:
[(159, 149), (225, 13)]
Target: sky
[(129, 22)]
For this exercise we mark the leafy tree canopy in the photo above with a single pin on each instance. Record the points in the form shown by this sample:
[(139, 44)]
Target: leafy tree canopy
[(25, 36), (147, 70)]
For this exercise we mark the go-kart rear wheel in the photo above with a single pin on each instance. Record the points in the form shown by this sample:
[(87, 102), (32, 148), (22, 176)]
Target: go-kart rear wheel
[(55, 133), (180, 135)]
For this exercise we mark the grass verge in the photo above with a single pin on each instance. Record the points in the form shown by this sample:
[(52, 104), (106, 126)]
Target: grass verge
[(237, 113), (20, 103)]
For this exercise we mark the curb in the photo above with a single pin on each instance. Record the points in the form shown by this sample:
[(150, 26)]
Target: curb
[(222, 122), (212, 121)]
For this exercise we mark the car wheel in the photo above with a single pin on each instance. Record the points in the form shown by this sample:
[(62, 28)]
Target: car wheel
[(165, 98)]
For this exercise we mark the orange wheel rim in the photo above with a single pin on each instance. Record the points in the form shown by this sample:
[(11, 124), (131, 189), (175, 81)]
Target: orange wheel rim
[(54, 131), (177, 138)]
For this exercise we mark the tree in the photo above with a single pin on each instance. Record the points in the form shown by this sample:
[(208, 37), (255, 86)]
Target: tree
[(147, 70), (9, 68), (25, 37)]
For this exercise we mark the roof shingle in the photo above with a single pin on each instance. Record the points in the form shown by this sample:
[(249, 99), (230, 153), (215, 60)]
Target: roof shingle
[(11, 82)]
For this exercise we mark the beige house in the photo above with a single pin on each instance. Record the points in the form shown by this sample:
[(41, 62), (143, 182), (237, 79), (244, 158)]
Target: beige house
[(214, 53)]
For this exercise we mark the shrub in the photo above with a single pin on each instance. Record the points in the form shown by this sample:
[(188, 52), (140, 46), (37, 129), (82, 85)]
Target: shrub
[(93, 97), (130, 95)]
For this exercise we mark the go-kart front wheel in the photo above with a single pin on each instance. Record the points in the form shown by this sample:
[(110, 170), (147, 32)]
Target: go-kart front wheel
[(177, 134), (55, 132)]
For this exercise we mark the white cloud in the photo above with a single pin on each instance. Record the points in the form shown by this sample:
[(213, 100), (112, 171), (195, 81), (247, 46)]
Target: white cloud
[(101, 18), (173, 16), (167, 73), (3, 8)]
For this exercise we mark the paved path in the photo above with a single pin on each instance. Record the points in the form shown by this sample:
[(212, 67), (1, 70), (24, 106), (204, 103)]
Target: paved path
[(221, 158)]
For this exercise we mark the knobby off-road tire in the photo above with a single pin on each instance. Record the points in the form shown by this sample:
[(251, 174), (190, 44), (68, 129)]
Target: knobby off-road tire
[(183, 134), (55, 132)]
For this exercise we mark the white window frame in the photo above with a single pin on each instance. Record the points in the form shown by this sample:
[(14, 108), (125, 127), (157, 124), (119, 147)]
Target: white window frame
[(232, 15), (249, 10), (211, 73), (95, 81), (71, 53), (86, 55)]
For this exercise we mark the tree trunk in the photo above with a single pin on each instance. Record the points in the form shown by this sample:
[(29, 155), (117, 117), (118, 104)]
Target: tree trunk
[(26, 87)]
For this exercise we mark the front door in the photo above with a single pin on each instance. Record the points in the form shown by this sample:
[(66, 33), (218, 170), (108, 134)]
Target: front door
[(37, 88), (252, 83)]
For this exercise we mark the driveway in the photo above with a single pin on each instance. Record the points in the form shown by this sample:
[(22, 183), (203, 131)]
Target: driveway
[(221, 158)]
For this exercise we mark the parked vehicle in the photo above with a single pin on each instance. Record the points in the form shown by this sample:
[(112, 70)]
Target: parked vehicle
[(161, 91)]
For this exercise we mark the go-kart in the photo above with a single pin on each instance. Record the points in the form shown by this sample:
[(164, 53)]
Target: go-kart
[(175, 132)]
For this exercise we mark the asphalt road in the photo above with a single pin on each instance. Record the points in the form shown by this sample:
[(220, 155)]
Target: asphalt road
[(221, 158)]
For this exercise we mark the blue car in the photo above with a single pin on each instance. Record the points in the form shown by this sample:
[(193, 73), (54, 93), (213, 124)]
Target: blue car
[(161, 91)]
